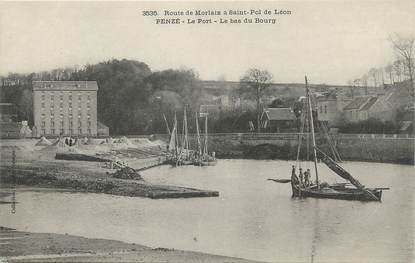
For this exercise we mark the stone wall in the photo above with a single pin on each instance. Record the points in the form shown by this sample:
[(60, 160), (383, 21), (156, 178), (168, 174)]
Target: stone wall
[(356, 147)]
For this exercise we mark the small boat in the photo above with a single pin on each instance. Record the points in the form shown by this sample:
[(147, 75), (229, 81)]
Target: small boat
[(353, 190), (205, 159)]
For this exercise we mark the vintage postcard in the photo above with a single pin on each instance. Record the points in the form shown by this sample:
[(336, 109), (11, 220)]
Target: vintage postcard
[(207, 131)]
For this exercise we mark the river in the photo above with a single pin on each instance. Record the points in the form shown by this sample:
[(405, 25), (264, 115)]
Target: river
[(252, 218)]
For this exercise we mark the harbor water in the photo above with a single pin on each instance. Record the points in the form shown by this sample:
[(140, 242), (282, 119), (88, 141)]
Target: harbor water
[(252, 218)]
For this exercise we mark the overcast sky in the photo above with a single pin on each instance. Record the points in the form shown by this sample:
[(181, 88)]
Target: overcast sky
[(332, 42)]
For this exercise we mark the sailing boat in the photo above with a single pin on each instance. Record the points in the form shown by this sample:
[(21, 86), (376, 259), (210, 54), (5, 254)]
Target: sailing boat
[(206, 159), (302, 188), (185, 153), (173, 149)]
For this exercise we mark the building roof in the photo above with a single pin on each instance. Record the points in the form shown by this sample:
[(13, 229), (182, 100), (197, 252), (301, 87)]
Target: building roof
[(280, 114), (65, 85), (369, 103), (357, 103)]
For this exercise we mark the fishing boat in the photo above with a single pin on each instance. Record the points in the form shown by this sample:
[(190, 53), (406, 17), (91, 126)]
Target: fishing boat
[(172, 154), (185, 154), (206, 159), (351, 190)]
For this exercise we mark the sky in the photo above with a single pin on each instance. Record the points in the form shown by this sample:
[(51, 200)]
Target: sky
[(330, 42)]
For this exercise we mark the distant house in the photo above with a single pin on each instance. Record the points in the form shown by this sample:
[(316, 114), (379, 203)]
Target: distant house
[(15, 130), (330, 107), (363, 108), (352, 111), (279, 119)]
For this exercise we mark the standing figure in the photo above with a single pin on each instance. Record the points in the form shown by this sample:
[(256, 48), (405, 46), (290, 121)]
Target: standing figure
[(307, 177), (301, 175)]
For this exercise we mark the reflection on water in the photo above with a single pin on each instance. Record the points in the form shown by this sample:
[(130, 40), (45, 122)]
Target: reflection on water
[(252, 218)]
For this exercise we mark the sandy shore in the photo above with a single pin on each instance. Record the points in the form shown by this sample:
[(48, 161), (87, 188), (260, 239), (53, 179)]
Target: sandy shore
[(17, 246)]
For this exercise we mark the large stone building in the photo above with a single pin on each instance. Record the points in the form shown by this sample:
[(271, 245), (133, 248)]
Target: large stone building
[(67, 108)]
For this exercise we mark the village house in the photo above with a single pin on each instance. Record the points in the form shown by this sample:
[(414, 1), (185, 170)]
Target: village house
[(279, 120), (353, 112), (363, 108), (330, 107)]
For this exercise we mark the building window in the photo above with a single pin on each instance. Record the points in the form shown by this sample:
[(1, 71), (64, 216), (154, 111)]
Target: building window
[(52, 131), (79, 131), (62, 131), (70, 97), (61, 123), (52, 124), (89, 123), (43, 131), (89, 97), (61, 105), (52, 98), (61, 96), (89, 131), (43, 97), (321, 109), (43, 124), (325, 108), (43, 105), (70, 104), (79, 97)]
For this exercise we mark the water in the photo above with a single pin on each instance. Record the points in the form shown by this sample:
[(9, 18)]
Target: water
[(253, 218)]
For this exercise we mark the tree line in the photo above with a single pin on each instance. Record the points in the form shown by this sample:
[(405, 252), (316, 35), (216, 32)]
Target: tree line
[(399, 70)]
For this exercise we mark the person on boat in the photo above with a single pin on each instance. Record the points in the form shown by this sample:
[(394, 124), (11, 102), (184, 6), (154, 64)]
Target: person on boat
[(301, 175), (294, 178), (307, 177)]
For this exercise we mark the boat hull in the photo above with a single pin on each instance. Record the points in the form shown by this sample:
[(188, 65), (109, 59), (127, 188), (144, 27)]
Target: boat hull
[(208, 163), (341, 194)]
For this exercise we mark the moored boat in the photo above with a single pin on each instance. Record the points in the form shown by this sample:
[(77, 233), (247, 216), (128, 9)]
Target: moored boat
[(303, 186)]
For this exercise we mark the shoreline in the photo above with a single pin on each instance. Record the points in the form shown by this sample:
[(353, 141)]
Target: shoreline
[(20, 246)]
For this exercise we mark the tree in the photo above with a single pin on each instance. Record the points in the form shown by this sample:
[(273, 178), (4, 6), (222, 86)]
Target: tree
[(373, 73), (257, 80), (389, 72), (403, 47)]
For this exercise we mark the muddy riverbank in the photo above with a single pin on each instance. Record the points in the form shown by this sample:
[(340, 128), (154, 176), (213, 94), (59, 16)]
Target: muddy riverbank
[(23, 163), (18, 246)]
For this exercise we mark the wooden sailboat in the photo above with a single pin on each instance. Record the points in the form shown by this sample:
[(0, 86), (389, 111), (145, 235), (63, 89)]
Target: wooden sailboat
[(306, 188), (206, 159), (173, 149), (185, 152)]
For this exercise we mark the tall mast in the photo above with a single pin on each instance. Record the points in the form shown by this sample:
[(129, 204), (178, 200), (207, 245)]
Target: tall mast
[(312, 130), (167, 124), (185, 143), (205, 150), (175, 137), (199, 146)]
